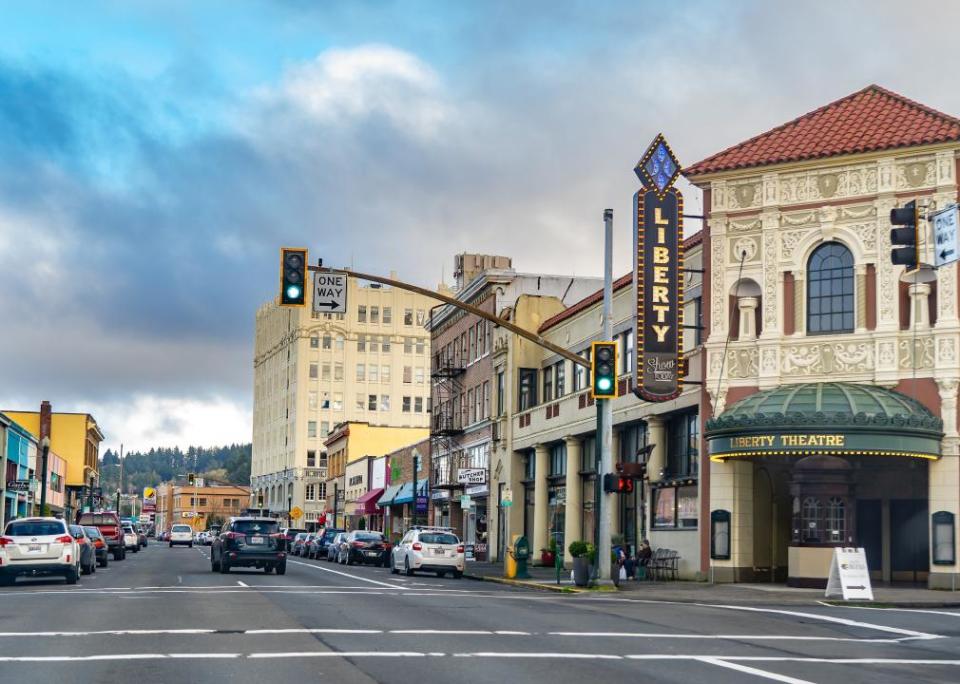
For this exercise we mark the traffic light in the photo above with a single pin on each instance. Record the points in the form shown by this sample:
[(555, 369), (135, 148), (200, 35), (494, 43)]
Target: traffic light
[(905, 240), (191, 478), (293, 276), (603, 371), (616, 484)]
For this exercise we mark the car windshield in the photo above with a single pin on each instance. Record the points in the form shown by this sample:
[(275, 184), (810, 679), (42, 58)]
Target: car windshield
[(97, 519), (34, 528), (331, 534), (438, 538), (77, 531), (255, 526), (368, 536), (180, 528), (93, 532)]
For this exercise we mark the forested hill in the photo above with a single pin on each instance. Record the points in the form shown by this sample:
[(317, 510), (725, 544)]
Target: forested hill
[(142, 469)]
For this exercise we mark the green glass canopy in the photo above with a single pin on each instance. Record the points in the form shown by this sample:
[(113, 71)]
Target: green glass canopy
[(835, 418)]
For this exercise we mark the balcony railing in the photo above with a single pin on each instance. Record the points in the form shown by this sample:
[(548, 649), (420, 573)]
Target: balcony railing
[(445, 423), (444, 365)]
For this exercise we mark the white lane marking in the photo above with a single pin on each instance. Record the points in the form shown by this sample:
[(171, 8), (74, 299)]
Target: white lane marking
[(110, 632), (746, 669), (346, 574), (724, 637), (458, 632), (308, 630), (345, 654), (242, 584), (896, 610), (567, 656), (827, 618), (113, 656)]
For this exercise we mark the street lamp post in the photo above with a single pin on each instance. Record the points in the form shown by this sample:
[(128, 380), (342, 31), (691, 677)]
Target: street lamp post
[(45, 450)]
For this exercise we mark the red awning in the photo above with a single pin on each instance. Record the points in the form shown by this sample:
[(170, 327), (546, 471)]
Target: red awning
[(367, 504)]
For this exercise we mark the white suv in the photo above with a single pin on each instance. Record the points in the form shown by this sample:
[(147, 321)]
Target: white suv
[(432, 549), (181, 534), (38, 546)]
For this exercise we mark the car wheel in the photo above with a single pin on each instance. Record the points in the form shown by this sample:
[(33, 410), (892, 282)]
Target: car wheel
[(171, 545), (191, 545), (349, 557), (441, 573), (282, 568), (214, 565), (7, 581), (393, 567), (458, 574), (71, 576), (116, 555), (408, 571), (224, 567)]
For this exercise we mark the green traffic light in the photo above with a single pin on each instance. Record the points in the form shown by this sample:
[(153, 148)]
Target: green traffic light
[(604, 384), (293, 292)]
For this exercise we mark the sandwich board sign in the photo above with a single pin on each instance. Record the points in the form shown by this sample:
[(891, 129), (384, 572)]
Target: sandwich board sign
[(849, 575)]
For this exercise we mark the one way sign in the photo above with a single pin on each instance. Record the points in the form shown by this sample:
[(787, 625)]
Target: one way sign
[(946, 237), (329, 292)]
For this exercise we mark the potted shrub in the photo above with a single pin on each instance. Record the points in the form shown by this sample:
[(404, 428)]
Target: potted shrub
[(581, 552)]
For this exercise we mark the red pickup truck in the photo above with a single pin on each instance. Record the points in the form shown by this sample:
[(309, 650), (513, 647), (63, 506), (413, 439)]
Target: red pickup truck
[(108, 523)]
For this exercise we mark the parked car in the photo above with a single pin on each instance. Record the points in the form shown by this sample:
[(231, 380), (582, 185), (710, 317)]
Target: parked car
[(289, 533), (141, 535), (249, 542), (101, 551), (298, 542), (431, 549), (88, 555), (333, 548), (131, 541), (38, 546), (209, 536), (365, 547), (324, 539), (312, 546), (201, 537), (108, 523), (181, 534)]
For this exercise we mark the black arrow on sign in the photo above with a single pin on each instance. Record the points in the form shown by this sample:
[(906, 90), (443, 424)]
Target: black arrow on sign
[(945, 253), (861, 588), (329, 305)]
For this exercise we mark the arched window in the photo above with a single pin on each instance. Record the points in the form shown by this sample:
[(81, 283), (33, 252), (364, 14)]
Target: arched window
[(836, 519), (830, 290), (810, 520)]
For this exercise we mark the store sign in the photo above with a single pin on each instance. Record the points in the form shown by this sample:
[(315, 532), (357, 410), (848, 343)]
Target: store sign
[(658, 265), (18, 485), (421, 506), (477, 490), (472, 476)]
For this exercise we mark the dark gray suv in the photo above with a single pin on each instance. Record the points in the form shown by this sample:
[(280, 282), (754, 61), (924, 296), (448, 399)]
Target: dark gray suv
[(249, 542)]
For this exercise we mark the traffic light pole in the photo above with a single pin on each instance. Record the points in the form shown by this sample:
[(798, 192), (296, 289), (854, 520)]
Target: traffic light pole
[(605, 409)]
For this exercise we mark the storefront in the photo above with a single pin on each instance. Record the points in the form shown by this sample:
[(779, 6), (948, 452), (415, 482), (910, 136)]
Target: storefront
[(365, 509), (801, 469)]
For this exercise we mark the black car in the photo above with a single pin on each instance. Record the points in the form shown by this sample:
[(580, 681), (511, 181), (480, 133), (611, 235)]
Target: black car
[(102, 551), (289, 534), (367, 548), (249, 542), (88, 554), (323, 541)]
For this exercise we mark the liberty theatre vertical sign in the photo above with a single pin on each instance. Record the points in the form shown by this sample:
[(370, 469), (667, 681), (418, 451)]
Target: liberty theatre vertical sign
[(658, 264)]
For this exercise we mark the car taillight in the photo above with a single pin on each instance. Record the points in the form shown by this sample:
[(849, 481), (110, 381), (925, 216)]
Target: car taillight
[(234, 535), (65, 539), (6, 540), (460, 549), (358, 545), (418, 546)]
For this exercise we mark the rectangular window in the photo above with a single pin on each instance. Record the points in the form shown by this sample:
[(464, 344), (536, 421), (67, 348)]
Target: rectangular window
[(421, 317), (362, 314), (407, 345), (580, 373), (558, 459), (374, 373), (314, 342), (548, 384), (360, 404), (324, 428), (687, 507), (337, 401), (406, 404), (311, 459), (528, 388), (374, 344), (338, 371), (311, 492), (421, 345), (371, 402), (560, 379), (472, 414), (665, 507), (501, 391), (478, 403), (473, 344), (311, 428), (418, 404), (326, 372), (626, 352), (530, 466), (588, 455), (387, 315), (327, 342), (361, 343), (418, 376), (407, 375), (361, 372), (384, 402), (691, 316), (486, 399), (385, 374), (339, 342), (683, 436), (385, 344), (324, 400), (375, 315), (313, 371), (322, 490), (312, 400), (408, 316)]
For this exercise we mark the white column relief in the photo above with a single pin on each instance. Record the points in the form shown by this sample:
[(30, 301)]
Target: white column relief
[(860, 288), (887, 274), (920, 306), (948, 406), (748, 318), (718, 304), (771, 297)]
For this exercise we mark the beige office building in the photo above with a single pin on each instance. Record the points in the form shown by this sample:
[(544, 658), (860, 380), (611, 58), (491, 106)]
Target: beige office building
[(313, 371)]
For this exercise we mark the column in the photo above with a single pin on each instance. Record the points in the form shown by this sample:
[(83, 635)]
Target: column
[(541, 539), (920, 307), (573, 514), (656, 435), (799, 303), (748, 318), (861, 294)]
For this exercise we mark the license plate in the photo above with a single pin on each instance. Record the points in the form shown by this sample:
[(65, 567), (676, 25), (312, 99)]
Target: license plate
[(256, 540), (372, 553), (34, 548), (438, 552)]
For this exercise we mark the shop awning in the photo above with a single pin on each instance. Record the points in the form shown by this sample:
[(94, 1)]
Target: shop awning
[(372, 496), (406, 493), (367, 503), (388, 495), (825, 418)]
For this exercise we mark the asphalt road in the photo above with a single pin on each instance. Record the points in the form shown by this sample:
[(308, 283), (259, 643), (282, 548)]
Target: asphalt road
[(163, 616)]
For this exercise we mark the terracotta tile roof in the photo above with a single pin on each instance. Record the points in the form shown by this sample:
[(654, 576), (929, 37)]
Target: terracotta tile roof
[(870, 119), (618, 284)]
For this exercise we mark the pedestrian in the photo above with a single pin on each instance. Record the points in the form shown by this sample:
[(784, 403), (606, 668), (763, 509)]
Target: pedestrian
[(644, 553)]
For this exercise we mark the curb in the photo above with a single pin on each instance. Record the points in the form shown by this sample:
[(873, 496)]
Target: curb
[(537, 586)]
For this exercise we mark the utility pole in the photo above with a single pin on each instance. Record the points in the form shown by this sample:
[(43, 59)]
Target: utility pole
[(45, 451), (605, 408)]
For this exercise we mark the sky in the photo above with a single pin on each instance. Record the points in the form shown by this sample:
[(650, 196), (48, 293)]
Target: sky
[(154, 156)]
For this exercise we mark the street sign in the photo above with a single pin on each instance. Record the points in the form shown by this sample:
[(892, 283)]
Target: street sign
[(296, 513), (506, 498), (188, 514), (849, 575), (946, 229), (472, 475), (466, 501), (329, 292), (18, 485)]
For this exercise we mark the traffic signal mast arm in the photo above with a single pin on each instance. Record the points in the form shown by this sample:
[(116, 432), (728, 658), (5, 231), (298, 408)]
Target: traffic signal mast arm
[(522, 332)]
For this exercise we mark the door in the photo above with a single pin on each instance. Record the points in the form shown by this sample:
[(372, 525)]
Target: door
[(909, 541), (870, 534)]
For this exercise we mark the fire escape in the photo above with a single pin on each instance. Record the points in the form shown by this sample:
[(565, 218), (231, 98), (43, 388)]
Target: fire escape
[(446, 420)]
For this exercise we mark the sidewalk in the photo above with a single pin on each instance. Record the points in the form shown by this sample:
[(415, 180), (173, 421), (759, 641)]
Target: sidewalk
[(544, 579)]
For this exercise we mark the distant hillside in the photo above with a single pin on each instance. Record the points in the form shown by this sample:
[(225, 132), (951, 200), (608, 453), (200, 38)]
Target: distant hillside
[(148, 469)]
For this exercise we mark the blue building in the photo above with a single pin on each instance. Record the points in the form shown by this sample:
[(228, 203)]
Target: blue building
[(19, 459)]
